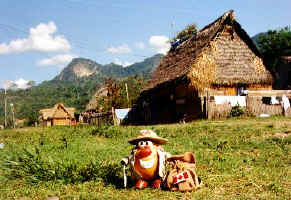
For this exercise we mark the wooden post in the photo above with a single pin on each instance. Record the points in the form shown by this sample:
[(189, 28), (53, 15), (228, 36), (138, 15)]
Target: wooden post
[(203, 99), (207, 105), (5, 108), (127, 95), (113, 116), (12, 110)]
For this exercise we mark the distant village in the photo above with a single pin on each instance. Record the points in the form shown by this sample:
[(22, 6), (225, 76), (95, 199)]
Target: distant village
[(212, 73)]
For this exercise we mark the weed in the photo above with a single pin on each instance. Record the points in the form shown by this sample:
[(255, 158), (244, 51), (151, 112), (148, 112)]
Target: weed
[(237, 111)]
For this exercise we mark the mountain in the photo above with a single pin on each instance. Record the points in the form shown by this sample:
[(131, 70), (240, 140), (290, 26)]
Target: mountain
[(75, 86), (78, 69), (81, 69)]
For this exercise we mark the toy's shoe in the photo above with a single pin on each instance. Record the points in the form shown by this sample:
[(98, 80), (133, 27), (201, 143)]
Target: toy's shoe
[(141, 184), (157, 183)]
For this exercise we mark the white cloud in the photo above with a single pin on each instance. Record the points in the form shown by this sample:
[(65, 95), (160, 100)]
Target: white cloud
[(140, 45), (40, 38), (124, 64), (58, 60), (20, 84), (160, 43), (122, 49)]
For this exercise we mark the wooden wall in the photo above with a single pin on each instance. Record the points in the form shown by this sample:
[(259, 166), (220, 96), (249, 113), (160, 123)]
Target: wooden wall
[(218, 111), (61, 121), (254, 105), (232, 90)]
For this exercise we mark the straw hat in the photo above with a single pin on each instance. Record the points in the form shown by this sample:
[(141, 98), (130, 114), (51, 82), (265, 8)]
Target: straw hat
[(148, 135)]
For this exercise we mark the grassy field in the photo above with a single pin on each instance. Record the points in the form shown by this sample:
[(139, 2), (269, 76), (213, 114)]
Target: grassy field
[(237, 159)]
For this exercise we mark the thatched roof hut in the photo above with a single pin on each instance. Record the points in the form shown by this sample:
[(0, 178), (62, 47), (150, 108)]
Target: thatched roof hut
[(93, 103), (221, 53), (220, 59), (58, 115)]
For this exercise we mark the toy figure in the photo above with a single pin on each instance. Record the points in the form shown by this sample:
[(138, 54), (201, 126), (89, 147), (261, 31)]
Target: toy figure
[(147, 160)]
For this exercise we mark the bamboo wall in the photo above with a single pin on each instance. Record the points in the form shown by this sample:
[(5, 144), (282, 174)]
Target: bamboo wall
[(255, 107), (48, 123), (61, 122), (231, 91), (259, 87), (218, 111)]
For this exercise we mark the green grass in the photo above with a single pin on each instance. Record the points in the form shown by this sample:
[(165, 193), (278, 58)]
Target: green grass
[(237, 159)]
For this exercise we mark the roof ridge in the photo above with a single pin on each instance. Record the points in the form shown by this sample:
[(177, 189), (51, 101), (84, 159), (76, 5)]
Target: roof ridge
[(229, 14)]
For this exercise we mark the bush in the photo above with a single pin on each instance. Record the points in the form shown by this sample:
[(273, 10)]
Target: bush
[(236, 111), (187, 32)]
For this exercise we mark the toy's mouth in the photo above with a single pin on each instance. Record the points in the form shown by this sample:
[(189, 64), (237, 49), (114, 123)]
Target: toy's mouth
[(147, 163)]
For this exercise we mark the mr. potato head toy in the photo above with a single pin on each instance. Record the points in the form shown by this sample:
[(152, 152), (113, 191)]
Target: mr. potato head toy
[(147, 160)]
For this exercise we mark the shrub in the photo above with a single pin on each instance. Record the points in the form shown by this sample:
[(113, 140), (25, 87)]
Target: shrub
[(236, 111), (187, 32)]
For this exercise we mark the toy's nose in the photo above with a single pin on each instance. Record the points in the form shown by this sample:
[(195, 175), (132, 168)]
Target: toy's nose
[(143, 152)]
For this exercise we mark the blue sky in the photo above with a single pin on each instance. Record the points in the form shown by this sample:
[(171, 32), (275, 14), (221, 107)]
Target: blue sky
[(38, 38)]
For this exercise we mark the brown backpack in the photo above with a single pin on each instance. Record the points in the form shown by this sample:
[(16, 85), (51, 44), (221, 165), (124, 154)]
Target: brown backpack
[(182, 176)]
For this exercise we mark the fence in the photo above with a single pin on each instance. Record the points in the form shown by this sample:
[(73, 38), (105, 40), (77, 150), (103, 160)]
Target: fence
[(255, 104), (100, 118)]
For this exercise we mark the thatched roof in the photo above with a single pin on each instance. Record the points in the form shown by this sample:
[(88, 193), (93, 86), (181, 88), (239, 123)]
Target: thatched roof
[(221, 53), (58, 111), (102, 92)]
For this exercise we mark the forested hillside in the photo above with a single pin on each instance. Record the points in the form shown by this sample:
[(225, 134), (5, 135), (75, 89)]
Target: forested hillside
[(74, 86)]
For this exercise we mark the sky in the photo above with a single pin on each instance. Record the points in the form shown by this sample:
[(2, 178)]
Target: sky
[(39, 38)]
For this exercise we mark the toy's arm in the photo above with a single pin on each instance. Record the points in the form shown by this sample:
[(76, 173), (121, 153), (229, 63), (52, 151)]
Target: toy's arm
[(124, 161)]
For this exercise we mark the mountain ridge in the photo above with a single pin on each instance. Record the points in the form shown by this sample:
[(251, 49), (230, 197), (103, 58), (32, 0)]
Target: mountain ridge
[(82, 69)]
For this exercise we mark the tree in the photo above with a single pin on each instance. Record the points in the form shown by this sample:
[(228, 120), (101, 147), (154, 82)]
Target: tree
[(188, 31), (117, 95), (274, 44)]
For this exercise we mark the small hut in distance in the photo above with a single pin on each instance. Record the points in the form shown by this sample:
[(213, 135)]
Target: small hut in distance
[(58, 115), (102, 93)]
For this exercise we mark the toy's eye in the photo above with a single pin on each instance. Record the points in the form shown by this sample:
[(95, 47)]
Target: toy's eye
[(149, 143), (141, 143)]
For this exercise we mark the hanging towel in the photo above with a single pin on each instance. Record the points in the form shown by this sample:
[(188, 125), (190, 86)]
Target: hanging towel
[(285, 102), (274, 100), (122, 113), (233, 100)]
